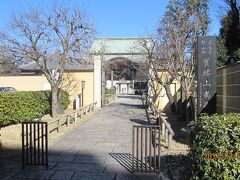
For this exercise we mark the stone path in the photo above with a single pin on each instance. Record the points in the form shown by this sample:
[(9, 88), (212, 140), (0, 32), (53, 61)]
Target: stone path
[(99, 149)]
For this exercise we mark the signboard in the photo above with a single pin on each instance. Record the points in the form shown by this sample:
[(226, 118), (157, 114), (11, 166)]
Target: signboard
[(206, 74)]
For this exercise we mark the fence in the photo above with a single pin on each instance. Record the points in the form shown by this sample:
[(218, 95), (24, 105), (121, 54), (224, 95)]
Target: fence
[(228, 88), (72, 117), (166, 130), (146, 149), (34, 143), (35, 136)]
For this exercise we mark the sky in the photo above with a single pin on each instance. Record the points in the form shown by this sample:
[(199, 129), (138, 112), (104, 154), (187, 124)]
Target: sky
[(112, 18)]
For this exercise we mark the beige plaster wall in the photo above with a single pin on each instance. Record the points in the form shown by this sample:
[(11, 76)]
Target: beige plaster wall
[(72, 84), (162, 101), (24, 83)]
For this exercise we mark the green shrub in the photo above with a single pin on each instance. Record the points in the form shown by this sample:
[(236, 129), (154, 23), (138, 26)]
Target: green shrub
[(110, 91), (65, 99), (26, 105), (215, 147)]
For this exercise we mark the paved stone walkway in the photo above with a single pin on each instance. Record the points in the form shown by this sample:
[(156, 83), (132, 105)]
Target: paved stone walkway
[(99, 149)]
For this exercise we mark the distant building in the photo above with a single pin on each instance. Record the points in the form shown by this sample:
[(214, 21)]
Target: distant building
[(115, 61)]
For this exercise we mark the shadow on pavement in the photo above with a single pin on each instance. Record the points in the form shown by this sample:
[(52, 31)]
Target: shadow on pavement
[(130, 96), (74, 165), (174, 166), (139, 106), (140, 121), (125, 159)]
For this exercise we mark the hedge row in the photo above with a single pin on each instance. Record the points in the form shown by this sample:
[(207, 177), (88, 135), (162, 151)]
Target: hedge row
[(23, 106), (110, 91), (215, 147)]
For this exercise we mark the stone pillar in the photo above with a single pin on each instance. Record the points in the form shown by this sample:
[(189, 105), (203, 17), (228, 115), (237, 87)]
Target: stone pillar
[(77, 102), (97, 80)]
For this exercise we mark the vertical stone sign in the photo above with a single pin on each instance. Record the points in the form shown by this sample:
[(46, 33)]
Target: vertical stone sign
[(206, 74)]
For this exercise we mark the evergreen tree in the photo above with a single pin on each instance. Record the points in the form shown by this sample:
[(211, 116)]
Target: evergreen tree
[(222, 52), (230, 30)]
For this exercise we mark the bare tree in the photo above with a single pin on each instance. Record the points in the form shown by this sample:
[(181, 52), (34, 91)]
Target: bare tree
[(154, 69), (7, 66), (176, 40), (70, 83), (56, 36), (173, 47)]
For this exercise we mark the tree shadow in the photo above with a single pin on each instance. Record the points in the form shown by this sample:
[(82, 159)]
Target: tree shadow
[(176, 166), (138, 106), (10, 160), (129, 96), (140, 121), (179, 128)]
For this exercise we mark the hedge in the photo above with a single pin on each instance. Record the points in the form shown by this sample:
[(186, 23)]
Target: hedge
[(215, 147), (110, 91), (23, 106)]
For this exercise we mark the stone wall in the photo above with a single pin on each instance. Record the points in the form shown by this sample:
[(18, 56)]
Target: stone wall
[(228, 88)]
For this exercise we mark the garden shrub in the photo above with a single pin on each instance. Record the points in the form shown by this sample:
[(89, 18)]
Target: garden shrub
[(23, 106), (65, 99), (215, 147), (110, 91)]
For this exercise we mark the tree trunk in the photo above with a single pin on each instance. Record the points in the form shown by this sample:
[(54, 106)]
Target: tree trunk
[(56, 106), (183, 104), (170, 97), (189, 107)]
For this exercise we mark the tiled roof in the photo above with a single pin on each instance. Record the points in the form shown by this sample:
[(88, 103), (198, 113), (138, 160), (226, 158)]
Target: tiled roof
[(117, 45), (70, 66)]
